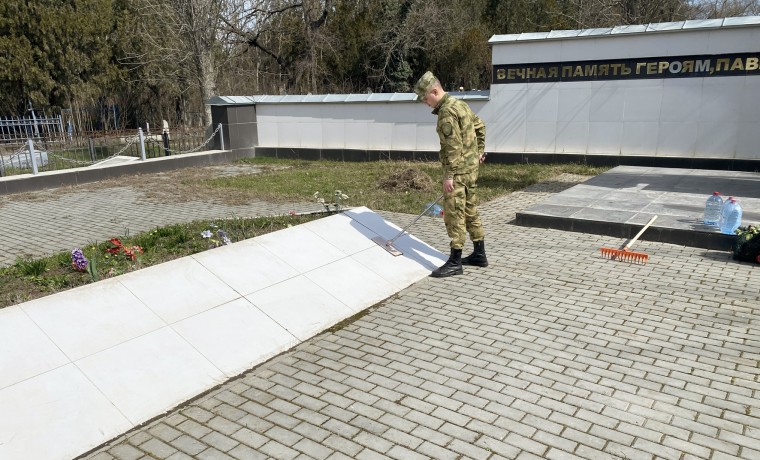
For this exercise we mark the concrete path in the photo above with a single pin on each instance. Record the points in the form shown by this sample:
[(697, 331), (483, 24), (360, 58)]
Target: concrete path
[(549, 353)]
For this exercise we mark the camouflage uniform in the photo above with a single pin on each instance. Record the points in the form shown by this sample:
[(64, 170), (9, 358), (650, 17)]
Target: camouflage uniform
[(463, 138)]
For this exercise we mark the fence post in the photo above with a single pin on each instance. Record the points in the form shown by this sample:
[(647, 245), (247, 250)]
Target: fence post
[(34, 117), (91, 149), (142, 143), (60, 124), (31, 155), (166, 144), (221, 136), (166, 138)]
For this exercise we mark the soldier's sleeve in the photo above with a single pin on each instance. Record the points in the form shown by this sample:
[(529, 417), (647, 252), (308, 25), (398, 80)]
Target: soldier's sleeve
[(451, 144), (480, 133)]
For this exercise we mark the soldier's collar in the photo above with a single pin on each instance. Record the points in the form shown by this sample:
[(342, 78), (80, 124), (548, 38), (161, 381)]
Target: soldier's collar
[(440, 103)]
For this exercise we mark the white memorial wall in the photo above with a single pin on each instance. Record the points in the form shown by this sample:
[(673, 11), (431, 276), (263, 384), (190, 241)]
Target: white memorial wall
[(653, 111), (685, 90)]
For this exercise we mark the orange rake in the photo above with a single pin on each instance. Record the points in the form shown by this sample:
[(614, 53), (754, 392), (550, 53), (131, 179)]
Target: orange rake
[(625, 254)]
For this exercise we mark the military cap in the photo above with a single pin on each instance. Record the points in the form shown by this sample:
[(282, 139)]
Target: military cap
[(424, 84)]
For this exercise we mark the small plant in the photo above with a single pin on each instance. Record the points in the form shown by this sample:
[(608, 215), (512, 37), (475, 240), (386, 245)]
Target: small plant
[(31, 267), (61, 259), (53, 283), (749, 231), (746, 246), (92, 269), (337, 203)]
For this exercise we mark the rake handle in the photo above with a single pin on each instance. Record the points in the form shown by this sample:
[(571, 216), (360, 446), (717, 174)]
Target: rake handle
[(403, 230), (630, 243)]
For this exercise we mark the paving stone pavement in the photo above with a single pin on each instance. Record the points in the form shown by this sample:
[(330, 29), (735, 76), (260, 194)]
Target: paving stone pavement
[(549, 353)]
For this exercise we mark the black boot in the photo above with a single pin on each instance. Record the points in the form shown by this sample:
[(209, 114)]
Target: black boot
[(478, 256), (452, 267)]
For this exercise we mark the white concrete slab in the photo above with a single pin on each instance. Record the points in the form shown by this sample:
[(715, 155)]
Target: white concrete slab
[(235, 336), (57, 415), (150, 374), (91, 318), (415, 250), (25, 351), (300, 248), (399, 271), (418, 258), (300, 306), (246, 266), (352, 283), (373, 222), (113, 161), (178, 289), (343, 232)]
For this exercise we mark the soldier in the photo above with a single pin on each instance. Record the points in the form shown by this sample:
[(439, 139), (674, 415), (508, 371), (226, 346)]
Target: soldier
[(463, 141)]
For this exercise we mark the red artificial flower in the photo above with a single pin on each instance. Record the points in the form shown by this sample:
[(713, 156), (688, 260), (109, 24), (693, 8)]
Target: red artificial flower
[(118, 246), (130, 253)]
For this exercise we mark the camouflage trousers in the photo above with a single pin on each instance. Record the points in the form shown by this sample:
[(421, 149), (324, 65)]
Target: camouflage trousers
[(460, 211)]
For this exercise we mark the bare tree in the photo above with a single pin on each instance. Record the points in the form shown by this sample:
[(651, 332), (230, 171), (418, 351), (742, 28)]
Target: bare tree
[(413, 35), (705, 9), (286, 32), (182, 44), (609, 13)]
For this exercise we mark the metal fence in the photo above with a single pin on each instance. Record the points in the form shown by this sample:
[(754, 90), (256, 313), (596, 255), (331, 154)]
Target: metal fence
[(31, 127), (25, 149)]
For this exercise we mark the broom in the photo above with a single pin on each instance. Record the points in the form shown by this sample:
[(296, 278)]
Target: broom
[(624, 253)]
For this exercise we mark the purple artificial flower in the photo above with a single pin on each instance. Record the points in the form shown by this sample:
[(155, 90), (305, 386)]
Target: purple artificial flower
[(223, 237), (78, 260), (206, 233)]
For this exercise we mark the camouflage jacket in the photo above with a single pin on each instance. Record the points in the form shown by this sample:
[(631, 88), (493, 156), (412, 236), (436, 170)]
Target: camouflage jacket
[(462, 135)]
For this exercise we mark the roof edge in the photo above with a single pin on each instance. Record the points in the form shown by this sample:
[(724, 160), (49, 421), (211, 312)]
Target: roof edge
[(659, 27), (474, 95)]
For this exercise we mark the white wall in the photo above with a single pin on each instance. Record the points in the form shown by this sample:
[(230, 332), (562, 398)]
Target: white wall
[(354, 125), (350, 125)]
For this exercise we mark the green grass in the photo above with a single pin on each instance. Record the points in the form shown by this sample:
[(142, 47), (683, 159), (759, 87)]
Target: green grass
[(279, 181), (360, 181), (31, 267)]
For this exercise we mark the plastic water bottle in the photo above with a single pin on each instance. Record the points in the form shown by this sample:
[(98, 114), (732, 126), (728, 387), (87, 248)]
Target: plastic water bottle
[(713, 208), (732, 219), (726, 204), (435, 211)]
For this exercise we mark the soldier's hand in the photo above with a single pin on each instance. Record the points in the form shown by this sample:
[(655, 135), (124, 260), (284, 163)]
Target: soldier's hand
[(448, 185), (483, 157)]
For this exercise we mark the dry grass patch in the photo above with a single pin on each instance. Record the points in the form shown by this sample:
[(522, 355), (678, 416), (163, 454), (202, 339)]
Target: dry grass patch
[(406, 180)]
